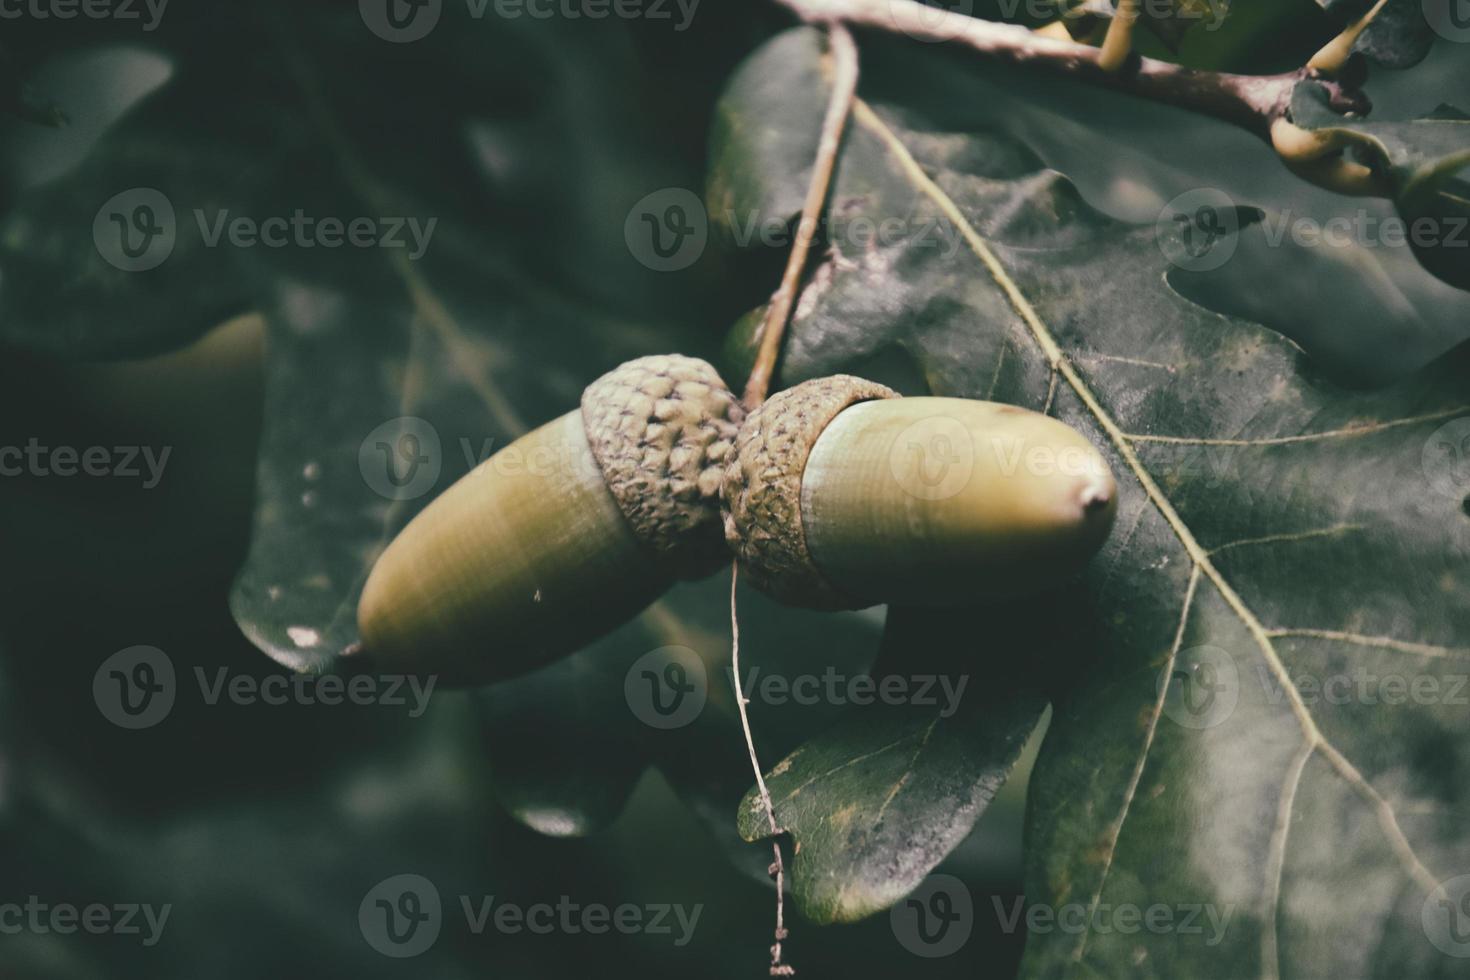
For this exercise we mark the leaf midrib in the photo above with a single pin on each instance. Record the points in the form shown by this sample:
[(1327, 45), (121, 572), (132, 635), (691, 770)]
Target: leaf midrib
[(1315, 740)]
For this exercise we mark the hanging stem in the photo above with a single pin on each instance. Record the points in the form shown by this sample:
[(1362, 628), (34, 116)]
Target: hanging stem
[(778, 313), (844, 77), (777, 870)]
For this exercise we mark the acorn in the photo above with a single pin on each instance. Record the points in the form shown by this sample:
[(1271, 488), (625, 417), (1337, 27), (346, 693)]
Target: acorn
[(563, 535), (841, 495)]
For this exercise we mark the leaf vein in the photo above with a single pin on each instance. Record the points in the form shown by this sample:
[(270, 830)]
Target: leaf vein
[(1122, 442)]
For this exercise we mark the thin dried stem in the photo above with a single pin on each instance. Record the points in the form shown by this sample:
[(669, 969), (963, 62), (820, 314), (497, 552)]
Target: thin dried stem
[(777, 869), (1334, 55), (778, 314), (844, 76), (1251, 101), (1118, 44)]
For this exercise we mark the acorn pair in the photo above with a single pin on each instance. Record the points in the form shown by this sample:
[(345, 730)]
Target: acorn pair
[(835, 494)]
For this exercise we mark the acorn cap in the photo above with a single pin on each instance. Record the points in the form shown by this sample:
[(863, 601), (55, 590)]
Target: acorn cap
[(661, 429), (761, 500)]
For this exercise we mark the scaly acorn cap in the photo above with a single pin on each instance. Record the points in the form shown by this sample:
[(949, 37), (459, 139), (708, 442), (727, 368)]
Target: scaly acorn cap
[(842, 495), (762, 488), (661, 428)]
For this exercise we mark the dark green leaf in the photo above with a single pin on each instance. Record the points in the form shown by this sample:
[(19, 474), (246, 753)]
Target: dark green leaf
[(1273, 524), (875, 802)]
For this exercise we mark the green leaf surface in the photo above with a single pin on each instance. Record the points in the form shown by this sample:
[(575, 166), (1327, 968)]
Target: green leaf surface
[(875, 802), (1273, 525)]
